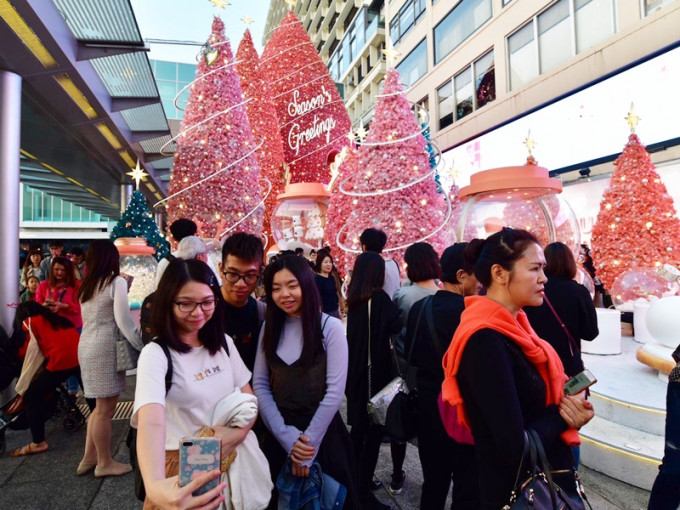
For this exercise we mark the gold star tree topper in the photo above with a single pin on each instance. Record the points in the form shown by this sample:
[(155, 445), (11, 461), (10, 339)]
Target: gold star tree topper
[(247, 21), (530, 143), (220, 4), (390, 55), (632, 118), (290, 3), (137, 175)]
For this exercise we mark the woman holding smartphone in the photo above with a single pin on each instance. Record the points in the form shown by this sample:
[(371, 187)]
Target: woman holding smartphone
[(505, 380), (206, 368), (59, 292), (299, 379)]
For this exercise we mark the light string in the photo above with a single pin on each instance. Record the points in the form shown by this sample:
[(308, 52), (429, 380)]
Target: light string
[(258, 206), (253, 151)]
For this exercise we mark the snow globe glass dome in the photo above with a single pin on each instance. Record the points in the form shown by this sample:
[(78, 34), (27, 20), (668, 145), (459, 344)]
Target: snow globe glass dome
[(299, 217), (639, 283), (521, 197), (136, 260)]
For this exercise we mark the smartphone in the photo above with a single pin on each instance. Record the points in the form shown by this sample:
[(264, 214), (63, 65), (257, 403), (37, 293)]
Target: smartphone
[(579, 382), (198, 455), (128, 279)]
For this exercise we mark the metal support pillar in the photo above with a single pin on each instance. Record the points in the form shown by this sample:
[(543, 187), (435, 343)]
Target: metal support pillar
[(10, 139), (125, 196)]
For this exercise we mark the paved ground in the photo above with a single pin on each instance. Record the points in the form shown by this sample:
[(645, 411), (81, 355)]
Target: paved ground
[(48, 481)]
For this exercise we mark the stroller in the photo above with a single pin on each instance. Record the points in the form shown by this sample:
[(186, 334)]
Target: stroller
[(59, 405)]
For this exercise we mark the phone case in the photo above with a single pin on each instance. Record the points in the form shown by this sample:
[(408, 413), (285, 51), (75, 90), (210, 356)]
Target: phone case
[(198, 455), (579, 383)]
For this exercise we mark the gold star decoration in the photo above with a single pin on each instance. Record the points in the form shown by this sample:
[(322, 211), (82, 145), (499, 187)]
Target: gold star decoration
[(290, 3), (220, 4), (247, 21), (422, 114), (454, 172), (351, 136), (632, 118), (390, 55), (137, 174), (361, 132), (530, 143)]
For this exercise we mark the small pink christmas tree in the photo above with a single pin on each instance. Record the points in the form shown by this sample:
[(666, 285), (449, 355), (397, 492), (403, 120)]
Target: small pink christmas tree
[(263, 121), (397, 191), (215, 178)]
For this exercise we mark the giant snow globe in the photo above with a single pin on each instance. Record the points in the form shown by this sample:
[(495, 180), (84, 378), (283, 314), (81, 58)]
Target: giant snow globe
[(520, 197), (299, 217), (137, 261)]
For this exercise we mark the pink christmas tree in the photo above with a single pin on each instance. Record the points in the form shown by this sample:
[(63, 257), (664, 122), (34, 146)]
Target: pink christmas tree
[(339, 210), (637, 224), (394, 188), (215, 178), (311, 112), (263, 121)]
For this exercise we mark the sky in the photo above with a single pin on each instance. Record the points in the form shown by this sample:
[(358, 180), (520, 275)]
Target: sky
[(191, 20)]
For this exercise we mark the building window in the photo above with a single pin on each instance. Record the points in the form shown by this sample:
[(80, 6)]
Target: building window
[(651, 6), (414, 66), (470, 89), (458, 25), (552, 37), (485, 80), (407, 17), (591, 23), (523, 57), (445, 105), (348, 50)]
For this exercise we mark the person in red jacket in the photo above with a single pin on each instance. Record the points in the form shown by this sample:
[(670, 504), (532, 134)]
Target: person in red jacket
[(57, 340)]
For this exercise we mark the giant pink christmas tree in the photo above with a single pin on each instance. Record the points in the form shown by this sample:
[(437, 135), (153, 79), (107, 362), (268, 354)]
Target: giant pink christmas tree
[(215, 178), (263, 121), (311, 112), (394, 188), (339, 210)]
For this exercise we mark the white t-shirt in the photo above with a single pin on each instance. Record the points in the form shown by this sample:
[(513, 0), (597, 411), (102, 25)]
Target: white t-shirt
[(392, 277), (199, 382)]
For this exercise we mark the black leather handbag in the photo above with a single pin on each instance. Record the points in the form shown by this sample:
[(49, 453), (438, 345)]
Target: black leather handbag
[(538, 491)]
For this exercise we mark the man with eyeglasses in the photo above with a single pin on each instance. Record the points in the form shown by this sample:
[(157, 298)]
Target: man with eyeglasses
[(241, 269)]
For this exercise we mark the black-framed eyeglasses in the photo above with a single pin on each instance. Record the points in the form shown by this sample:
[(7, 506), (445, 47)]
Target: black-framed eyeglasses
[(189, 306), (233, 277)]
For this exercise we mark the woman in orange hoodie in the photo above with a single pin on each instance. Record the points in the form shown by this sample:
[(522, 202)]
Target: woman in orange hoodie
[(502, 378)]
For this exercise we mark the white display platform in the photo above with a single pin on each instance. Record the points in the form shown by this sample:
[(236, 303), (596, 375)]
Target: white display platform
[(609, 340), (625, 440)]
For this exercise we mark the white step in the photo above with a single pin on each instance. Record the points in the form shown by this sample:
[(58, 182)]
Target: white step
[(624, 453), (634, 415)]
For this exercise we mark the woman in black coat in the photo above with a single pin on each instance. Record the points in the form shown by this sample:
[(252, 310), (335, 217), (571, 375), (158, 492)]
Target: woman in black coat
[(573, 304), (365, 289)]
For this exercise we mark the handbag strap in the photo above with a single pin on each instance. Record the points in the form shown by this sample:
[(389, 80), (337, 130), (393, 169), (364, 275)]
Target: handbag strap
[(544, 464), (410, 374), (429, 317), (572, 342), (369, 349)]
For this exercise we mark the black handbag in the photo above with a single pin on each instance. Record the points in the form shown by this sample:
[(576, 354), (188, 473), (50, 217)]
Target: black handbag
[(538, 491)]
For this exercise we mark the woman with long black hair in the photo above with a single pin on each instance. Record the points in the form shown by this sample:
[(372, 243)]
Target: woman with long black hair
[(299, 379), (206, 368), (370, 308), (104, 304)]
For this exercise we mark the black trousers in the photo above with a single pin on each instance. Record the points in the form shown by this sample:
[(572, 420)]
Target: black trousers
[(366, 441), (444, 461), (34, 398)]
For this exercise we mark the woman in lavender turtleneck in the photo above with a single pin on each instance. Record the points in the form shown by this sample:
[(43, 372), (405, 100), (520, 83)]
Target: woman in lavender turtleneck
[(299, 379)]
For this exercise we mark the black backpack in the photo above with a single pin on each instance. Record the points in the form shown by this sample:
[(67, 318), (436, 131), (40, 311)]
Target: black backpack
[(131, 440)]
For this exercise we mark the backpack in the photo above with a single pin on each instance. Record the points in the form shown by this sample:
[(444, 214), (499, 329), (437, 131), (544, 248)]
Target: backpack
[(131, 440)]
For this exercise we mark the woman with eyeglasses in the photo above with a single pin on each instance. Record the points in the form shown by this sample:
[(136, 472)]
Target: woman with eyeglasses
[(106, 313), (206, 368), (299, 379)]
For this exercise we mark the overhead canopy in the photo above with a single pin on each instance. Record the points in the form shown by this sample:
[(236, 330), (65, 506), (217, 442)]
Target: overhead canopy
[(90, 106)]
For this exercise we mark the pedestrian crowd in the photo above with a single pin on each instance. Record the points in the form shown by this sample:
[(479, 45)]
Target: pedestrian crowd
[(255, 354)]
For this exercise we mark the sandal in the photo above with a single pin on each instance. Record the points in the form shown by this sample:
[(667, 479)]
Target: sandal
[(29, 449)]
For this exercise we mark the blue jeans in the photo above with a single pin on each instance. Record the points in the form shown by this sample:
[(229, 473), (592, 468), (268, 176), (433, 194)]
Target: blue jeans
[(666, 489)]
